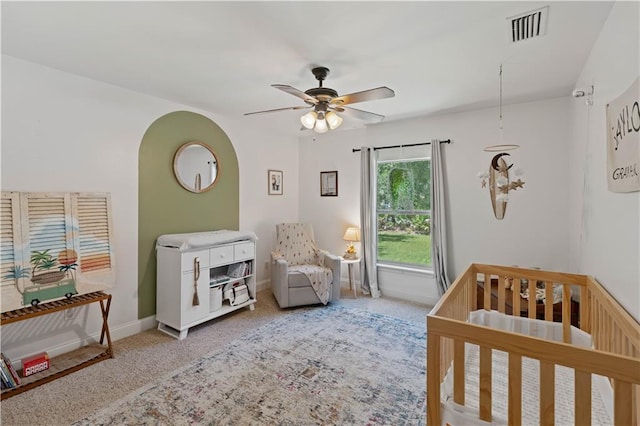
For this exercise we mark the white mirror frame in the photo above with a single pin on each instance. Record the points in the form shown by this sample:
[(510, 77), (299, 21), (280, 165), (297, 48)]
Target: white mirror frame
[(196, 167)]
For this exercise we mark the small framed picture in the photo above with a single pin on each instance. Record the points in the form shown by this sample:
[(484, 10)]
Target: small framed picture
[(274, 180), (329, 184)]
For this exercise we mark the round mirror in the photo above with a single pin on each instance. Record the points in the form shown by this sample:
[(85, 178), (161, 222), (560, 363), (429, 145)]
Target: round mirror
[(196, 167)]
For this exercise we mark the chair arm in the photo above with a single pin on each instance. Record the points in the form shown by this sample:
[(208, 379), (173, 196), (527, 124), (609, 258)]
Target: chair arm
[(334, 263), (279, 280)]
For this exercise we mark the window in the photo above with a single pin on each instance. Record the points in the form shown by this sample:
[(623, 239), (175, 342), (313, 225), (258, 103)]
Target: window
[(403, 208)]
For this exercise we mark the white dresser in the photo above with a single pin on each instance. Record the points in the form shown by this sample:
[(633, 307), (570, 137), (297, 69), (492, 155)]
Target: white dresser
[(200, 263)]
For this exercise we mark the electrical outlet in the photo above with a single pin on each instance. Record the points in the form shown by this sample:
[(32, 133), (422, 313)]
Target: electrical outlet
[(266, 266)]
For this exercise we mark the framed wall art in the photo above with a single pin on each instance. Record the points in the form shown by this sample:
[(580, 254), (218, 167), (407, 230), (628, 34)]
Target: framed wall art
[(329, 184), (274, 180)]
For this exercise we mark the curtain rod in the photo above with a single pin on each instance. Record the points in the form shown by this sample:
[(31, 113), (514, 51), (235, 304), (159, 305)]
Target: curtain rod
[(401, 146)]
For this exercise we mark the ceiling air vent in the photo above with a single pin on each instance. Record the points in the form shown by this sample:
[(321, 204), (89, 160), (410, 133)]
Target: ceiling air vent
[(528, 25)]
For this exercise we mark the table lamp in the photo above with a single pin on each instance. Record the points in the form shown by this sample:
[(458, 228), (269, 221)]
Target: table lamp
[(352, 235)]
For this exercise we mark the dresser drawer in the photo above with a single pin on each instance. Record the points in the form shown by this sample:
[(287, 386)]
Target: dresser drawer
[(244, 251), (187, 260), (220, 255)]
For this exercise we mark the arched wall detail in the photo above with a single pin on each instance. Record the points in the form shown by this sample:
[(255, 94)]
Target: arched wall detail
[(165, 207)]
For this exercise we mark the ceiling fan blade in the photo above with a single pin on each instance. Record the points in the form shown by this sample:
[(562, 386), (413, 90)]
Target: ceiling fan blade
[(367, 116), (279, 109), (295, 92), (366, 95)]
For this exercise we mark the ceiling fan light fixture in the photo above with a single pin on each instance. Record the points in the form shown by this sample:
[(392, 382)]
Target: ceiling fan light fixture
[(309, 119), (333, 120), (321, 126)]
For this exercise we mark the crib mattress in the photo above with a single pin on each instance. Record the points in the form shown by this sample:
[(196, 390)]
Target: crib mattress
[(601, 399)]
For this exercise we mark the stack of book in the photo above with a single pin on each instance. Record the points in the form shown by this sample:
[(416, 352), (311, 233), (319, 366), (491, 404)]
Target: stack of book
[(10, 378), (239, 270)]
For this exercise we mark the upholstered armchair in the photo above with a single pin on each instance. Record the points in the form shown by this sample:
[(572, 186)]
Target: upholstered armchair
[(301, 273)]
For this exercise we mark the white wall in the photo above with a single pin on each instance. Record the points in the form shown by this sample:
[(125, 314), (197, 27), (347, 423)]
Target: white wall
[(605, 239), (534, 231), (62, 132)]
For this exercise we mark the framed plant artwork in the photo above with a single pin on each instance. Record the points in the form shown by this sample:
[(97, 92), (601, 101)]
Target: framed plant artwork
[(274, 180), (329, 184)]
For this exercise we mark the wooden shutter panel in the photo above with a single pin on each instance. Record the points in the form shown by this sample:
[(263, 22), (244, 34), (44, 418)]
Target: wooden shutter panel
[(46, 221), (10, 236), (68, 234), (95, 242)]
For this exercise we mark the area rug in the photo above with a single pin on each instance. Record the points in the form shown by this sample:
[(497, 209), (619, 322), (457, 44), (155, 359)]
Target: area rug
[(316, 366)]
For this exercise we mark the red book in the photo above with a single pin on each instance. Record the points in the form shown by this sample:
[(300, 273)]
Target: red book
[(35, 364)]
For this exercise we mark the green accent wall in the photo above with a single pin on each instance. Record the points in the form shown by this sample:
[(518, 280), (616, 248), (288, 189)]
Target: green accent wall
[(165, 207)]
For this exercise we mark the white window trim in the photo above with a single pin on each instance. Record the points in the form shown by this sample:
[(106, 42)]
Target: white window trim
[(405, 268)]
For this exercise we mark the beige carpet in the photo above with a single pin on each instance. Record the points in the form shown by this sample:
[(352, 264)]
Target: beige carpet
[(146, 356)]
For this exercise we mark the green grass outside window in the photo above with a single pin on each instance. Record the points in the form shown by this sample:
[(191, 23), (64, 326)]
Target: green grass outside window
[(401, 247)]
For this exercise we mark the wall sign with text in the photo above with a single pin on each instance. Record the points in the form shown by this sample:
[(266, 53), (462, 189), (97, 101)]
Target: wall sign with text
[(623, 141)]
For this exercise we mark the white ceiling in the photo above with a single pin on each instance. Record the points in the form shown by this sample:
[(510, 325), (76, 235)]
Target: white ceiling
[(223, 56)]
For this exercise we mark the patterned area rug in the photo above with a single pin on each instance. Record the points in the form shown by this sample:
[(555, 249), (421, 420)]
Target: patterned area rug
[(316, 366)]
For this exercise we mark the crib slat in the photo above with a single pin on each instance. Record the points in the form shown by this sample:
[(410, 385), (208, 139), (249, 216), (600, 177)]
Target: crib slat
[(433, 379), (635, 396), (547, 395), (485, 383), (458, 372), (515, 389), (600, 329), (585, 320), (516, 296), (532, 299), (502, 297), (548, 301), (619, 341), (487, 292), (566, 313), (582, 407), (474, 297), (622, 397)]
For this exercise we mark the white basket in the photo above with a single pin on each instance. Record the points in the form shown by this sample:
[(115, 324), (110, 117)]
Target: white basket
[(215, 298)]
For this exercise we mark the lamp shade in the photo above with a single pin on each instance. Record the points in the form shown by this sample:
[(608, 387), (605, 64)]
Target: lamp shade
[(333, 120), (351, 234), (321, 125), (309, 119)]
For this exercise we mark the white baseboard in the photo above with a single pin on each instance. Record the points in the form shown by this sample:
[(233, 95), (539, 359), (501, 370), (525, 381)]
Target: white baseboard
[(263, 285), (399, 294), (410, 297), (137, 326), (117, 333)]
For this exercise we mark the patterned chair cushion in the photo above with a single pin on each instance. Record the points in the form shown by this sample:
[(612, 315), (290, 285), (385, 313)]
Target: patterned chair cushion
[(296, 246)]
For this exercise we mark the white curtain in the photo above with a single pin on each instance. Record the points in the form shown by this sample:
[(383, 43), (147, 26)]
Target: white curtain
[(438, 221), (368, 223)]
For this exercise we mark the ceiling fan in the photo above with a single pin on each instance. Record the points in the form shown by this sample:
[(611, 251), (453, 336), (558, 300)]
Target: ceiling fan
[(326, 103)]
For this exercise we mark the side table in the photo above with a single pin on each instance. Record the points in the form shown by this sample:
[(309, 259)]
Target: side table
[(352, 285)]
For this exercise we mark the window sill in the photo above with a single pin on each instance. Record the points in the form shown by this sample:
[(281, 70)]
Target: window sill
[(403, 268)]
